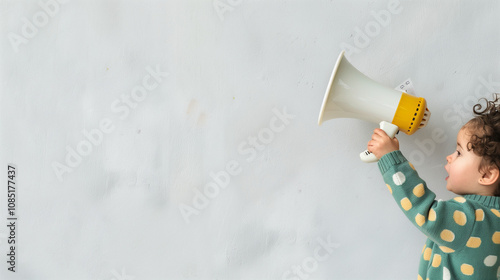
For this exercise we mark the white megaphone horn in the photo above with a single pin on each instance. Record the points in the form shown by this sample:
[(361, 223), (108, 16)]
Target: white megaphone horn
[(350, 94)]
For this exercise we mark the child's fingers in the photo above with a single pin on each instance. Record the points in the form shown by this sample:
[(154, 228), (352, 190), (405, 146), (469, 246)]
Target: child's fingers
[(381, 143), (379, 135), (380, 132)]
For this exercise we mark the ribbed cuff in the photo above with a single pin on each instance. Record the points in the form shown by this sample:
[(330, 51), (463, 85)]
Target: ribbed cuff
[(390, 159)]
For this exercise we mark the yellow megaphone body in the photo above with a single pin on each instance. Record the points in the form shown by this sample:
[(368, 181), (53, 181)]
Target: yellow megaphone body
[(350, 94)]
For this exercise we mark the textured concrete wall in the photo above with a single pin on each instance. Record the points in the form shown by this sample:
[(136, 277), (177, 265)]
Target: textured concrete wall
[(179, 139)]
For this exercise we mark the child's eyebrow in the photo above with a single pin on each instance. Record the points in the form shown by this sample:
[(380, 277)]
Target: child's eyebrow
[(458, 144)]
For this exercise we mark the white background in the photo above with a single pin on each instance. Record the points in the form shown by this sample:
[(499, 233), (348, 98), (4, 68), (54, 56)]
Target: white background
[(116, 213)]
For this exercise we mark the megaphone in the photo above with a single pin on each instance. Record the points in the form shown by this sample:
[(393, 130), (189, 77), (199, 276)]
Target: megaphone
[(351, 94)]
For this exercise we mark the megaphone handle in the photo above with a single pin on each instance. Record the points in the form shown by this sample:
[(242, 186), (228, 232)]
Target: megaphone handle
[(391, 131)]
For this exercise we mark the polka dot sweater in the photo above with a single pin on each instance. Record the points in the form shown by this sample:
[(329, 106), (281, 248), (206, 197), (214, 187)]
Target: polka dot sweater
[(463, 233)]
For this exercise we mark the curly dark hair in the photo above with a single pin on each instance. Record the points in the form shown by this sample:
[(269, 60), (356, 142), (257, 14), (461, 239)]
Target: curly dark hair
[(485, 130)]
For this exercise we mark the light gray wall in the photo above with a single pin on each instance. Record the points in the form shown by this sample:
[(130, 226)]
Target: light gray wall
[(179, 139)]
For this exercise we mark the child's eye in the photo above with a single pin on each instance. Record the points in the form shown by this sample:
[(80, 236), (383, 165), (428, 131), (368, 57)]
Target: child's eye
[(458, 153)]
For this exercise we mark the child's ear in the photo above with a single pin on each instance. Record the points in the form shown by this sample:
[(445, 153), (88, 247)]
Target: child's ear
[(490, 175)]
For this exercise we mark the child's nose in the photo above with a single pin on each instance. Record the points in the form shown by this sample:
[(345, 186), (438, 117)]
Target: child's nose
[(448, 158)]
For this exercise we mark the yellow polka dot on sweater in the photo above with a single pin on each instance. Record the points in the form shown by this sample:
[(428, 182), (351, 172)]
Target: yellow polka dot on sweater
[(496, 212), (389, 187), (496, 237), (420, 219), (436, 260), (447, 235), (459, 218), (446, 249), (479, 215), (419, 190), (473, 242), (460, 199), (427, 254), (420, 277), (406, 204), (467, 269), (432, 215)]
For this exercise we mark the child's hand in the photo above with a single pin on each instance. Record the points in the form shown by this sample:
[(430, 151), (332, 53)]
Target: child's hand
[(382, 144)]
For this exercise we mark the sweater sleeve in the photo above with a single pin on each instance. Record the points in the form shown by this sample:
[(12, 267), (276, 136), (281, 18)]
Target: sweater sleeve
[(448, 223)]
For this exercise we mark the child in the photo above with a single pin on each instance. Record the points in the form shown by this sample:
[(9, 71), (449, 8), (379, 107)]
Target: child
[(464, 232)]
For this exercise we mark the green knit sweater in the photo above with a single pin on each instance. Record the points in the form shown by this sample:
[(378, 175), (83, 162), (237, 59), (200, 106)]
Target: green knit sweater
[(463, 233)]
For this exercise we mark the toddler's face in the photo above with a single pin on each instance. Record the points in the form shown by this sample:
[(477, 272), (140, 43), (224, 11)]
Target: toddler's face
[(463, 167)]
